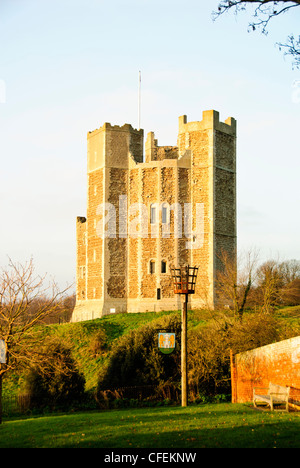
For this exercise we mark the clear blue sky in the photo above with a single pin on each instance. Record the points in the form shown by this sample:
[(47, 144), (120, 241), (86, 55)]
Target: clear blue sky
[(66, 67)]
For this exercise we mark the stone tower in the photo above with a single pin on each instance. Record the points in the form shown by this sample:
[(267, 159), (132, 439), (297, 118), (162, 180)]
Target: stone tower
[(178, 206)]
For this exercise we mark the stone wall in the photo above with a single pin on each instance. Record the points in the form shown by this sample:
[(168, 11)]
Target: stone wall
[(94, 259)]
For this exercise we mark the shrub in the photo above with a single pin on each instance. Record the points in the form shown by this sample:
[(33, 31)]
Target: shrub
[(209, 350), (98, 343), (55, 382), (135, 359)]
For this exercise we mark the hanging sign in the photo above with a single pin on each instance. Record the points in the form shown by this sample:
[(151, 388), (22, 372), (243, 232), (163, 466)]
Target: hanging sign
[(2, 352), (166, 342)]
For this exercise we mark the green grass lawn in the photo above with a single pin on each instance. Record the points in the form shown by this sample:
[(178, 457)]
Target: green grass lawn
[(213, 425)]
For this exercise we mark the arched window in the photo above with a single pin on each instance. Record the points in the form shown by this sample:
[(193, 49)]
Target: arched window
[(152, 267), (152, 214), (164, 214)]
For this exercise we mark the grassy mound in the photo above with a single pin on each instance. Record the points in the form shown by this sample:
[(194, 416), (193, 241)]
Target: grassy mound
[(92, 341)]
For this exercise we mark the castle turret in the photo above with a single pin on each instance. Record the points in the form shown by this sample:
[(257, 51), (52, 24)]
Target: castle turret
[(212, 145)]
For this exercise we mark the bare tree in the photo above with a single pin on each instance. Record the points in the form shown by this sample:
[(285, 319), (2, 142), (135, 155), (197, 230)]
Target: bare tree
[(235, 279), (264, 11), (278, 283), (290, 270), (270, 284), (24, 302), (291, 293)]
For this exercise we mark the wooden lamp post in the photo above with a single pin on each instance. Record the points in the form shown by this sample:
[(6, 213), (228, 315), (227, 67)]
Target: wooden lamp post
[(184, 279)]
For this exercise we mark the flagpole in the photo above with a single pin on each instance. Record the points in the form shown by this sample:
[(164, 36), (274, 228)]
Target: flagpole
[(139, 101)]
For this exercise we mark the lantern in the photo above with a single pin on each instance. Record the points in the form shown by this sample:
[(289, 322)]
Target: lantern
[(184, 279)]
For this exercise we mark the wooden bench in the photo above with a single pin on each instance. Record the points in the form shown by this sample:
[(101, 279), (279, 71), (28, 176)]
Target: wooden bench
[(276, 394)]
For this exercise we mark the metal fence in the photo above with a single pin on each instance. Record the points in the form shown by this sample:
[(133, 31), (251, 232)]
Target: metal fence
[(22, 404), (116, 397), (15, 404)]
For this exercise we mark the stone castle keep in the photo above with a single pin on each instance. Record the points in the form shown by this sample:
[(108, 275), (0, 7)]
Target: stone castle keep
[(176, 206)]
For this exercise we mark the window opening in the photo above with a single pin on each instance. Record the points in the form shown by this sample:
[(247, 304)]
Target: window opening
[(152, 267), (164, 215), (152, 214)]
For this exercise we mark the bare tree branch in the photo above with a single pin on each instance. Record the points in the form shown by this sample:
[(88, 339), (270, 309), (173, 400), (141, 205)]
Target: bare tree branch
[(264, 11), (292, 48), (235, 280), (25, 301)]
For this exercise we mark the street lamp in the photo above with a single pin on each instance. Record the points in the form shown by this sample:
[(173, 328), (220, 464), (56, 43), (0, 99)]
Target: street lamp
[(184, 280)]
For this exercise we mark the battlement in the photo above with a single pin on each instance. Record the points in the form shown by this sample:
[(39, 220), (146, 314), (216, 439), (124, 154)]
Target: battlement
[(117, 128), (153, 152), (114, 145), (210, 120)]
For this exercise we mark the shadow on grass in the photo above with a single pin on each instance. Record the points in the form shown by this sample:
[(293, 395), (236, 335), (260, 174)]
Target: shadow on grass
[(211, 426)]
